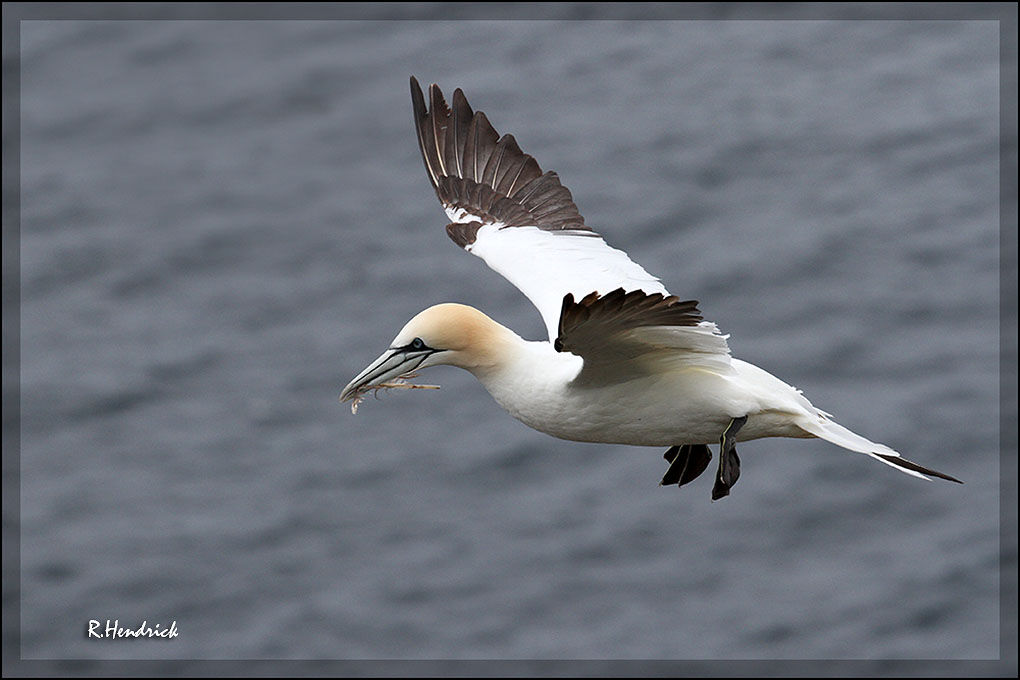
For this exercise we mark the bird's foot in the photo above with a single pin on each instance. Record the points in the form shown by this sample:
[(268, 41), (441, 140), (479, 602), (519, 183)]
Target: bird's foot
[(729, 462), (686, 463)]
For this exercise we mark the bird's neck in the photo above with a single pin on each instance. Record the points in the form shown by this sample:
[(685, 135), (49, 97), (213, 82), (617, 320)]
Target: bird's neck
[(512, 369), (493, 348), (518, 372)]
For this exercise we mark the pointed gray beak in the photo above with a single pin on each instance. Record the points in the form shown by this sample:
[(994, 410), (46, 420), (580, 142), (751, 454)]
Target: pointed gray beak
[(393, 364)]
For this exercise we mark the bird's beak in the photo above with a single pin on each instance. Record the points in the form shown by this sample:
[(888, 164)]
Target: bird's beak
[(392, 365)]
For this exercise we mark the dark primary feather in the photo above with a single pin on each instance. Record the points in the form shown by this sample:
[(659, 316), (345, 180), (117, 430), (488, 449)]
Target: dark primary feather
[(472, 167), (585, 323)]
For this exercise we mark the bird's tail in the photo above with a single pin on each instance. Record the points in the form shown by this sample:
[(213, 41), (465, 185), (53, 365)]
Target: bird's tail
[(828, 430)]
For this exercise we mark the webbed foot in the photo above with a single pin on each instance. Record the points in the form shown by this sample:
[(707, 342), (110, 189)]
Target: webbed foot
[(729, 462), (686, 463)]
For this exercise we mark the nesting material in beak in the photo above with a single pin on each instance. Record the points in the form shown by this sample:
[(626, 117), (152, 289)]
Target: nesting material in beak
[(358, 394)]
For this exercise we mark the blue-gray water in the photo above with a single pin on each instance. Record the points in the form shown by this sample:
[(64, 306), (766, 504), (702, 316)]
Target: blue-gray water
[(223, 222)]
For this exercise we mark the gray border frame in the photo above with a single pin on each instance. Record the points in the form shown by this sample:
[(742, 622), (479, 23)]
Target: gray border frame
[(1004, 13)]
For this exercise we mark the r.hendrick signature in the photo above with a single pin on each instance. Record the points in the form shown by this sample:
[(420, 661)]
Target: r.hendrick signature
[(114, 630)]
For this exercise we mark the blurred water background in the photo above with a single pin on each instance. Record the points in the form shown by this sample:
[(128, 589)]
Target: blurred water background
[(223, 221)]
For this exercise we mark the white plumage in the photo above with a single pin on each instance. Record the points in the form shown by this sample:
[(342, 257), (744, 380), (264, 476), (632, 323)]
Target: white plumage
[(625, 362), (546, 265)]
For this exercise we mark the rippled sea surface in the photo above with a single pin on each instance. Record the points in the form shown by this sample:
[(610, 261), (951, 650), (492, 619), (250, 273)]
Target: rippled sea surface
[(223, 222)]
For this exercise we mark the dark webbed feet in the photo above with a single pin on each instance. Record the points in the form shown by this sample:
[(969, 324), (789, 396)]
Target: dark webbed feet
[(729, 462), (686, 463)]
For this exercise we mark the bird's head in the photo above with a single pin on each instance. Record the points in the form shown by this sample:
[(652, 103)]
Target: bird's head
[(448, 333)]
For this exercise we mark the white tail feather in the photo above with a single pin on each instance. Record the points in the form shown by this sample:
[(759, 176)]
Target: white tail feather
[(837, 434)]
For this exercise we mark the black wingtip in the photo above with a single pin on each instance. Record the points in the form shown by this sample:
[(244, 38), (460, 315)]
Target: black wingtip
[(438, 101), (472, 167), (416, 93), (417, 100)]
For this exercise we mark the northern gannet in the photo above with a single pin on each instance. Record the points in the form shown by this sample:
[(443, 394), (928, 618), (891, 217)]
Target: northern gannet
[(625, 362)]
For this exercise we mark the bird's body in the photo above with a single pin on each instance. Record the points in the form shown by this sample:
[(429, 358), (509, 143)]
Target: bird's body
[(690, 405), (539, 386), (625, 363)]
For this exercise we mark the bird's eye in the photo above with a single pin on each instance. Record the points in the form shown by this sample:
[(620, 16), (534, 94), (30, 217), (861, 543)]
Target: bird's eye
[(417, 344)]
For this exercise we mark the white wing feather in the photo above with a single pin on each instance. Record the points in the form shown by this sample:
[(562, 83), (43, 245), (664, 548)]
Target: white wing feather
[(525, 226), (547, 265)]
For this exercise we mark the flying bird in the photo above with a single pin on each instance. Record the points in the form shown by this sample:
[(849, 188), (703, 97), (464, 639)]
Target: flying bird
[(625, 362)]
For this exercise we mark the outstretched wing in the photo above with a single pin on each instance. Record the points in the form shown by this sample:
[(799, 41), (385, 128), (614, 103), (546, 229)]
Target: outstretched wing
[(522, 222), (622, 333)]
